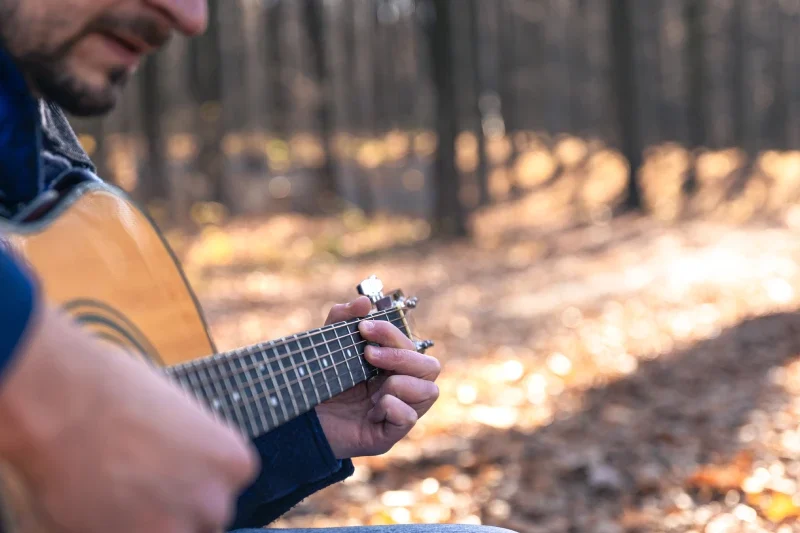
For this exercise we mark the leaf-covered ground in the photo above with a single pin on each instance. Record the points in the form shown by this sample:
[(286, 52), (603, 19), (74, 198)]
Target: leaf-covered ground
[(623, 375)]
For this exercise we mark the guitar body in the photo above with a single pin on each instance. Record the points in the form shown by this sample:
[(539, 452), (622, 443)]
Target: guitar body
[(99, 257)]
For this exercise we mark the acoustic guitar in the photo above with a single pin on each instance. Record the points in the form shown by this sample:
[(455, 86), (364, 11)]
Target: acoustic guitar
[(100, 258)]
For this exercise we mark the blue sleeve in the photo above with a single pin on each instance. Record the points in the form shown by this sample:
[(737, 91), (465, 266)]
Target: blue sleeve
[(17, 298), (296, 462)]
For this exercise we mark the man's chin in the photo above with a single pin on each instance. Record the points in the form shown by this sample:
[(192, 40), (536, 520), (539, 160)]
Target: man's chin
[(81, 99)]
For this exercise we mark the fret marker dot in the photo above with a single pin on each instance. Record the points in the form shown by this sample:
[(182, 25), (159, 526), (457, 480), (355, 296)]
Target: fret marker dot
[(302, 371), (348, 353), (262, 368), (324, 362), (273, 401), (236, 397), (216, 404)]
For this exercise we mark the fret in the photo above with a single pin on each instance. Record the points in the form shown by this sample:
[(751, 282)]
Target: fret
[(235, 397), (347, 352), (281, 396), (308, 343), (197, 387), (241, 377), (329, 371), (185, 382), (320, 348), (354, 339), (258, 392), (269, 395), (286, 381), (221, 402), (298, 368), (216, 400)]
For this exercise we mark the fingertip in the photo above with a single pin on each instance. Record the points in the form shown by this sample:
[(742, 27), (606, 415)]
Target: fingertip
[(366, 327), (360, 306), (372, 355)]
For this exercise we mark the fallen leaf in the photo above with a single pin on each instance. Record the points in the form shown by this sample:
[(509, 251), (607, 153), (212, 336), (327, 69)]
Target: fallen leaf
[(723, 478)]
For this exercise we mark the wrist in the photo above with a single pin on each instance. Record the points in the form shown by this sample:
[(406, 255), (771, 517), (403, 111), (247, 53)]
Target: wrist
[(331, 431)]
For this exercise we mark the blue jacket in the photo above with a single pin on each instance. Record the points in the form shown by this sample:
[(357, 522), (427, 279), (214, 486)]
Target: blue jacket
[(37, 149)]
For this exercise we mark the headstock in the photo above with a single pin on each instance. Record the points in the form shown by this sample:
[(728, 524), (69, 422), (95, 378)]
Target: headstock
[(372, 288)]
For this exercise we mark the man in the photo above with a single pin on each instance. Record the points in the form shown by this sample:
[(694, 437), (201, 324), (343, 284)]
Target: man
[(88, 454)]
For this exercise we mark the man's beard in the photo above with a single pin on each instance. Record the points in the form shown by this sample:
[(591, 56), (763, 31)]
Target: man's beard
[(48, 70), (56, 85)]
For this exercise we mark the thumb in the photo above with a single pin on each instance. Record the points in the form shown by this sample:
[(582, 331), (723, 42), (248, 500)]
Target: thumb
[(358, 308)]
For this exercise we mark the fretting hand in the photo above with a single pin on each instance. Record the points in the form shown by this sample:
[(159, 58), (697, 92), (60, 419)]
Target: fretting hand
[(372, 417)]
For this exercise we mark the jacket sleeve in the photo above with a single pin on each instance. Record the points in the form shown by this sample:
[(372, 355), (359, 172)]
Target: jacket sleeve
[(296, 461), (17, 299)]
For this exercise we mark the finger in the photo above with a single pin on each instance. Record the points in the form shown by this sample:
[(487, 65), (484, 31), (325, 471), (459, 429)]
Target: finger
[(396, 419), (405, 362), (358, 308), (385, 334), (417, 393), (217, 508)]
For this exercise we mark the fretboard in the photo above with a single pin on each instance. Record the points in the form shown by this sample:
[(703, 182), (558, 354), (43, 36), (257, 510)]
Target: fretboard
[(260, 387)]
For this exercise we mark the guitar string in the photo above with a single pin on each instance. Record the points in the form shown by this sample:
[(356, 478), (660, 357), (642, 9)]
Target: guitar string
[(285, 371), (228, 410), (233, 409), (235, 355), (223, 357), (256, 399)]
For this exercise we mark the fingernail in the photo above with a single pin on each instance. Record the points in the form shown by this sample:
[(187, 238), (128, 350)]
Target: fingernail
[(369, 351), (368, 325), (375, 398)]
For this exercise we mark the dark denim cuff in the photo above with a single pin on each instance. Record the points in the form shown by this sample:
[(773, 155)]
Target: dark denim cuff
[(296, 462)]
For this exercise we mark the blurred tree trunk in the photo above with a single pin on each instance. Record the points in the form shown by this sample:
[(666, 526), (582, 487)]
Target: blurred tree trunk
[(739, 76), (695, 57), (315, 22), (153, 185), (695, 61), (625, 92), (481, 173), (206, 75), (449, 217), (508, 67), (278, 104), (364, 31)]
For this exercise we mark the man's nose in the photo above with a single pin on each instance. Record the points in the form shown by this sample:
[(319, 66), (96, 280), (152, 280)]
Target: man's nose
[(189, 16)]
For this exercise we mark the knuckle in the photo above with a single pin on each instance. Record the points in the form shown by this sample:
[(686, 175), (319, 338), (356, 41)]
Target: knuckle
[(337, 311), (242, 463), (217, 508), (436, 366), (434, 391), (392, 383), (393, 356)]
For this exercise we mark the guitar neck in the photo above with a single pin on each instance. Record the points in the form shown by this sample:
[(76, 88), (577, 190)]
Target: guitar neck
[(260, 387)]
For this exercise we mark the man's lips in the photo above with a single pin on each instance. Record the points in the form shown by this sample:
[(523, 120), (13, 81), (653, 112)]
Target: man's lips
[(133, 44)]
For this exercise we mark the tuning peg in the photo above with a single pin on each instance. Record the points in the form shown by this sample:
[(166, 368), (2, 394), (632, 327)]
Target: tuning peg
[(372, 287), (421, 346), (411, 303)]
